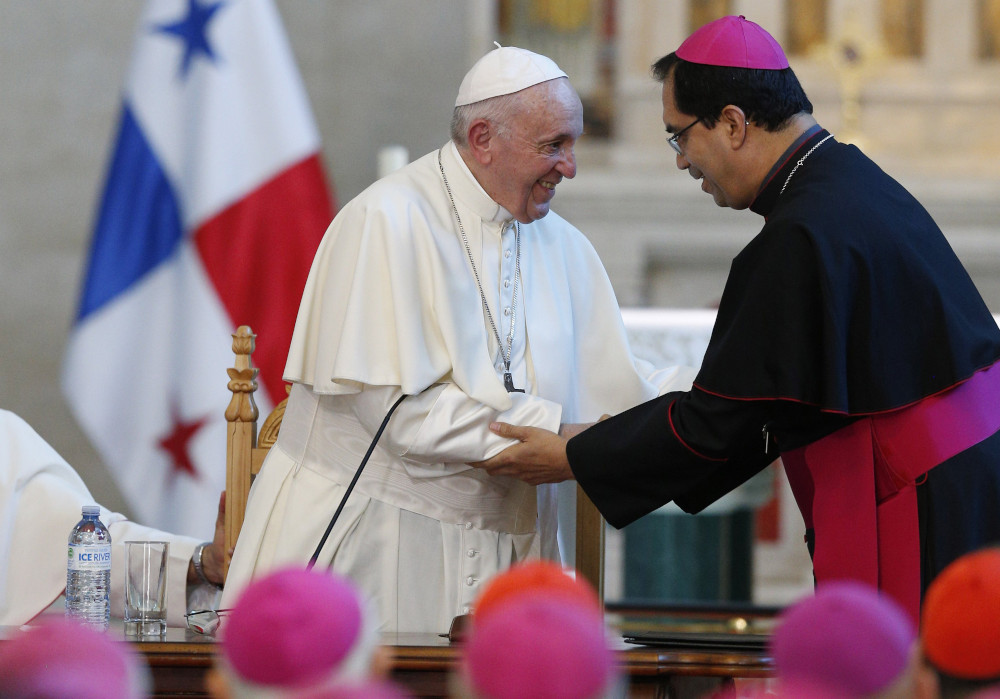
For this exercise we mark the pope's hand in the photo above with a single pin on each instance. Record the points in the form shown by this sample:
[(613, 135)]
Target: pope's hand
[(538, 457)]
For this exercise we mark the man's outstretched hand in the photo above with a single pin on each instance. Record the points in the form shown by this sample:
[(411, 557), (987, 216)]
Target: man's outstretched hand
[(539, 457)]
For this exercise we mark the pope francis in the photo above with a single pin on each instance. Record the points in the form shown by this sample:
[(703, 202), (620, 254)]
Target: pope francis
[(451, 283)]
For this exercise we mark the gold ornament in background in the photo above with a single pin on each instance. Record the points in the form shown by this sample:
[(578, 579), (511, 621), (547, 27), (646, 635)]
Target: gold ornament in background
[(704, 11), (806, 22), (854, 55), (565, 16), (903, 27), (989, 29)]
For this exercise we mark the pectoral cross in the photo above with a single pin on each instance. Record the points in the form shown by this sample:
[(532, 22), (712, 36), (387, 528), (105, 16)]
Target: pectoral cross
[(508, 383)]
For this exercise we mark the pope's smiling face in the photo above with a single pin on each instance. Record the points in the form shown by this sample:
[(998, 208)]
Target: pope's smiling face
[(535, 152)]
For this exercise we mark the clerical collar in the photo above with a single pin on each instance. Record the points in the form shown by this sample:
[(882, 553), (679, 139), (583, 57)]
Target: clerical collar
[(767, 195), (467, 189)]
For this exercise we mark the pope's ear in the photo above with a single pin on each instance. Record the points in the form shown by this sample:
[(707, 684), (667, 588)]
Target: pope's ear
[(481, 134)]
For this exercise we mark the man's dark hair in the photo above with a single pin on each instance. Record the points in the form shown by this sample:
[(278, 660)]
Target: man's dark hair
[(769, 98)]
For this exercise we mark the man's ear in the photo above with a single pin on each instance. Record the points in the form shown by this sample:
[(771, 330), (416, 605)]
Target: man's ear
[(481, 135), (734, 122)]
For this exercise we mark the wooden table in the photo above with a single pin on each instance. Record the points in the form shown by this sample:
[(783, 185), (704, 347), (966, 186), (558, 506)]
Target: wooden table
[(423, 662)]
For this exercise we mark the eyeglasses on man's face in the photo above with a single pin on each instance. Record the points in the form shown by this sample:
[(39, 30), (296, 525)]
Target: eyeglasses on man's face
[(674, 140)]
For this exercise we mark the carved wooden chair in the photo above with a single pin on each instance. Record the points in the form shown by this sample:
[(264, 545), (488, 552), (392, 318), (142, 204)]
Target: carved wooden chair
[(246, 448)]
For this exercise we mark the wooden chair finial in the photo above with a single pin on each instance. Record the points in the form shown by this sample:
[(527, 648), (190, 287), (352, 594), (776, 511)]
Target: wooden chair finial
[(242, 378)]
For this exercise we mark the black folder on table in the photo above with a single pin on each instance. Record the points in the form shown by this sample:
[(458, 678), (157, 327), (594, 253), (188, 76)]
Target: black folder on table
[(700, 640)]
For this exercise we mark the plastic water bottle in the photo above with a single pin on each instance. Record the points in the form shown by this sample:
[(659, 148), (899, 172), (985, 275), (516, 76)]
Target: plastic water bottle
[(88, 571)]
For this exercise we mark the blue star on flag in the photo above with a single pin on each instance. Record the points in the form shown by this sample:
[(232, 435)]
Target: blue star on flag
[(192, 31)]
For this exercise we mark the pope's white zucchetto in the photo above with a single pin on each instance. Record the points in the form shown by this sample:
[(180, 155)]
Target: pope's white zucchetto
[(504, 71)]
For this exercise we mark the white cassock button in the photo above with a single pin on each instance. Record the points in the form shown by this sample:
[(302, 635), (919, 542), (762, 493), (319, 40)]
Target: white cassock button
[(506, 311), (506, 254), (471, 553), (465, 609), (470, 581), (468, 525), (506, 283)]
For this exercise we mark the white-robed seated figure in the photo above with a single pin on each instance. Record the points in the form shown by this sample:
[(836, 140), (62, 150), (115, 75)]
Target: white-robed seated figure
[(41, 497), (449, 281)]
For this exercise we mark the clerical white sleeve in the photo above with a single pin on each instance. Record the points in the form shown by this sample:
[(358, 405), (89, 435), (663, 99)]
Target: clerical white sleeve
[(672, 378), (442, 425), (41, 497)]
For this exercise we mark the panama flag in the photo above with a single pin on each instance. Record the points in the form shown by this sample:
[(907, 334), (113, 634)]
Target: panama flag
[(214, 204)]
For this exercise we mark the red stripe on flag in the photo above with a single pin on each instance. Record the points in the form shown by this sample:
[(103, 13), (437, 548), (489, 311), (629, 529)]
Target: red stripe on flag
[(258, 252)]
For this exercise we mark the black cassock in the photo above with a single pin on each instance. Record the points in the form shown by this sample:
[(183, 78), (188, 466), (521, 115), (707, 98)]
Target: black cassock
[(845, 332)]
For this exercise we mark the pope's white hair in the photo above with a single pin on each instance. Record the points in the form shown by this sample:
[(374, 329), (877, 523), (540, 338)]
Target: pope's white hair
[(499, 111)]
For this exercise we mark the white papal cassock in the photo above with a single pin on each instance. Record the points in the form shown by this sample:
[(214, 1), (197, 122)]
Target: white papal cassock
[(41, 498), (392, 306)]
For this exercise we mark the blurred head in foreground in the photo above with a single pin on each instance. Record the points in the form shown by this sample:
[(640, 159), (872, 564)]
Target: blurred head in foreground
[(959, 650), (293, 631), (537, 632), (537, 647), (63, 659), (845, 638), (535, 576)]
